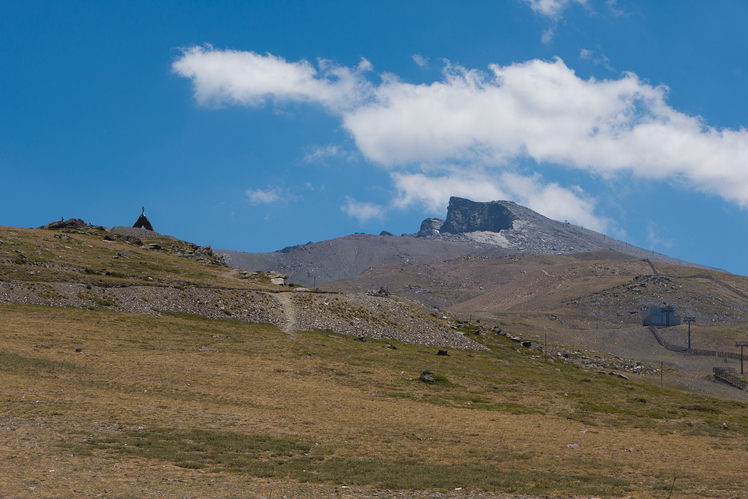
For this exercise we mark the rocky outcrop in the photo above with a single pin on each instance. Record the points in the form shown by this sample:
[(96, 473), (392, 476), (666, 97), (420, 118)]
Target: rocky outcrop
[(202, 254), (430, 227), (464, 215), (71, 223)]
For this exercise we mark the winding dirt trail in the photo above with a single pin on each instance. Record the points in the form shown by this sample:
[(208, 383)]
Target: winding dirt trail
[(289, 312)]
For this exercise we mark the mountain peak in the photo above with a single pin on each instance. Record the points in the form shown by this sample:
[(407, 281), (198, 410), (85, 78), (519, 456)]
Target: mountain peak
[(464, 215)]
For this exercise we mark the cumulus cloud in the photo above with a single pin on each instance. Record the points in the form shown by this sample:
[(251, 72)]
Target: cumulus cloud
[(258, 196), (552, 8), (235, 77), (362, 211), (474, 125)]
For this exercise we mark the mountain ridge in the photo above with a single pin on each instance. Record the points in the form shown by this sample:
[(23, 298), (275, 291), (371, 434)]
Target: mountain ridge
[(465, 232)]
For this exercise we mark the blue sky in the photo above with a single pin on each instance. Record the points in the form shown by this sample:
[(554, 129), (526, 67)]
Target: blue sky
[(257, 125)]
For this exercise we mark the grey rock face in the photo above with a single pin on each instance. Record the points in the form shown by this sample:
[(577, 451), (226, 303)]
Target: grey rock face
[(464, 215), (430, 227)]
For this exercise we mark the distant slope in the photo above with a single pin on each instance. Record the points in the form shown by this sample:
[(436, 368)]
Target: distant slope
[(348, 256), (614, 293), (443, 284)]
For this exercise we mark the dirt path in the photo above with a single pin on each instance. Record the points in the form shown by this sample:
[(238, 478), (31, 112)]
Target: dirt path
[(289, 312)]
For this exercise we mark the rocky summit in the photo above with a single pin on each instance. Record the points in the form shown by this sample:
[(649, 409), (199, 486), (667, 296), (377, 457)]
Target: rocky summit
[(507, 225), (464, 215)]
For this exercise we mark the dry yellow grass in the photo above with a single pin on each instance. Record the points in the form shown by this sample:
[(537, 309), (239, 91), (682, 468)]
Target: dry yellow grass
[(504, 424)]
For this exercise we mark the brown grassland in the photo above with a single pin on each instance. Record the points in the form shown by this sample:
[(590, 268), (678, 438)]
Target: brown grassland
[(98, 403), (183, 406)]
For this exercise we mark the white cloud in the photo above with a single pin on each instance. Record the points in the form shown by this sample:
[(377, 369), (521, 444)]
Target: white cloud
[(655, 237), (235, 77), (486, 121), (552, 8), (422, 62), (258, 196), (363, 212), (548, 35), (613, 7), (542, 110), (589, 55), (322, 152)]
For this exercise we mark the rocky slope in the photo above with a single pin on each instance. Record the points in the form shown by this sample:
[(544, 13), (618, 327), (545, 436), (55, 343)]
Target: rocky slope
[(517, 229), (90, 268)]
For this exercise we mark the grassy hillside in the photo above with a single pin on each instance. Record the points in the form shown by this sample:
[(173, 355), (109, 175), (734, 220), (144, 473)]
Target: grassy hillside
[(101, 402), (183, 404)]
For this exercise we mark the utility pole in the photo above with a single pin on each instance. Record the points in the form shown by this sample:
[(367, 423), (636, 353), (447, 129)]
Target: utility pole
[(689, 320), (741, 344)]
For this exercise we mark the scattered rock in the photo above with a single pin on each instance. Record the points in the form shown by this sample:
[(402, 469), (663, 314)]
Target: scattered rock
[(443, 353), (276, 277), (132, 240), (427, 377)]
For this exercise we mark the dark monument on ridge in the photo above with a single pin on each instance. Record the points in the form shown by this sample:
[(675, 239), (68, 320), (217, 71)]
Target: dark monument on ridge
[(143, 222)]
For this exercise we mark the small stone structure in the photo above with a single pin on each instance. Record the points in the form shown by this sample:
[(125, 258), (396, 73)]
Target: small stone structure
[(143, 222)]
